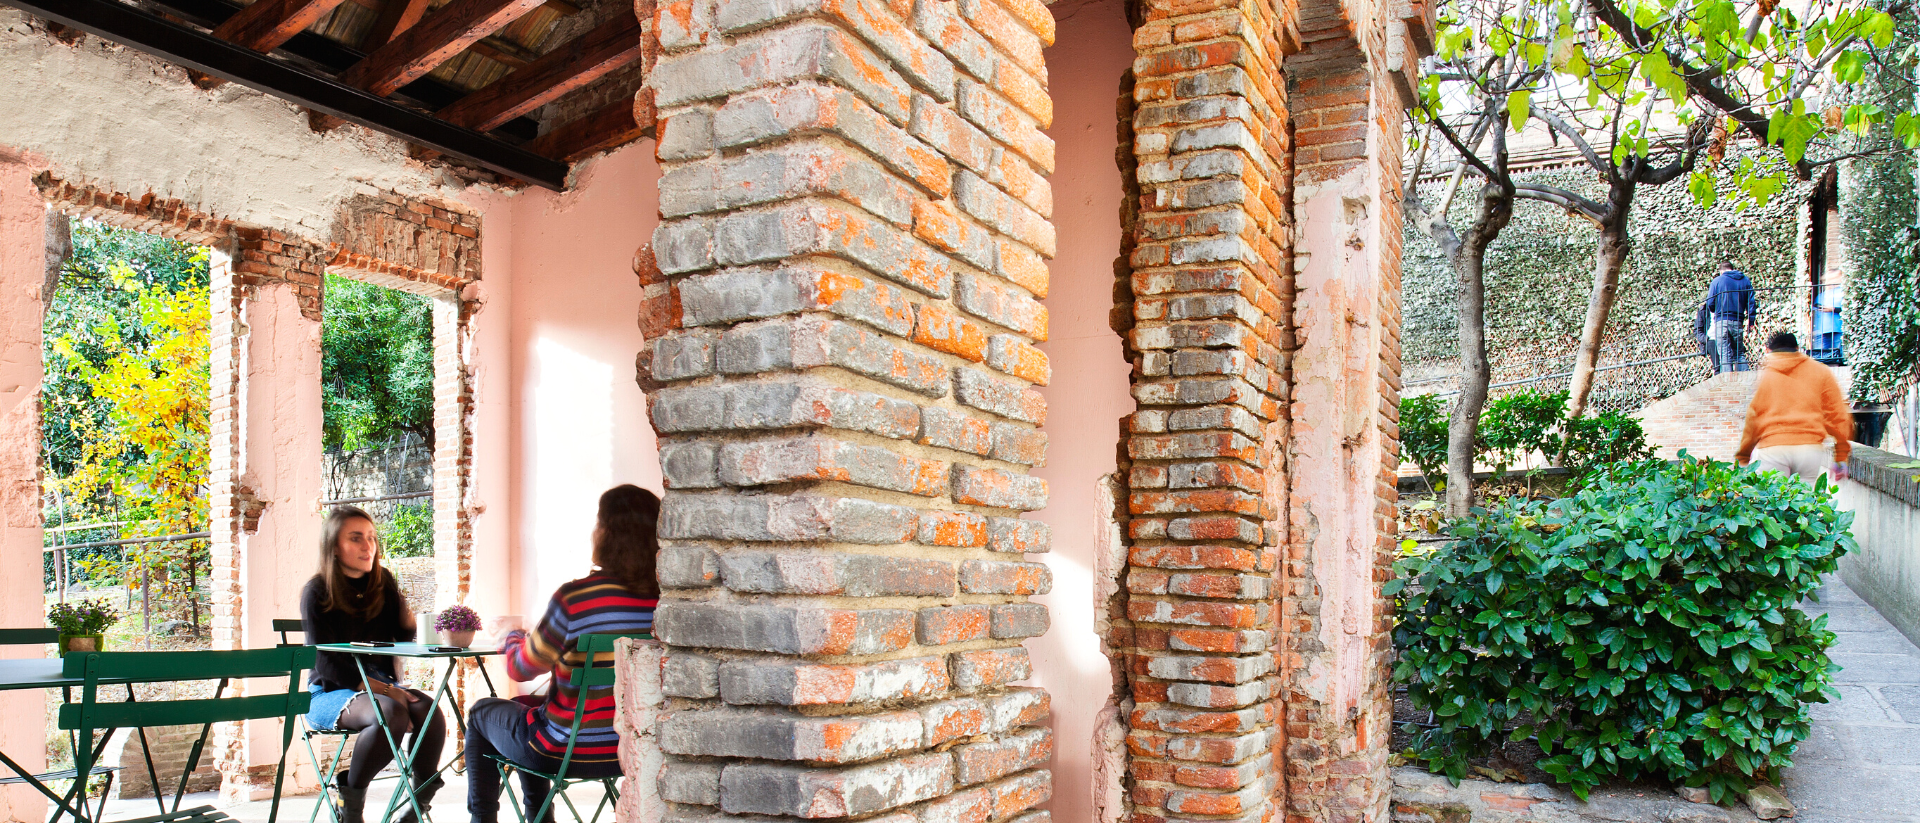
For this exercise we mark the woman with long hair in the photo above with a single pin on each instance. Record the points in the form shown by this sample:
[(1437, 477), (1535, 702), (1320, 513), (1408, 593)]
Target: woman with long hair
[(617, 598), (353, 599)]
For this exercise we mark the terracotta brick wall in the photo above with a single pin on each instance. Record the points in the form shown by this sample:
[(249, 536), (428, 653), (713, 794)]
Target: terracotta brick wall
[(1705, 419), (850, 264)]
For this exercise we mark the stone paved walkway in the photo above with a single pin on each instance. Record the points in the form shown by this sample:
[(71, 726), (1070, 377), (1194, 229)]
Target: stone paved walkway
[(1862, 764)]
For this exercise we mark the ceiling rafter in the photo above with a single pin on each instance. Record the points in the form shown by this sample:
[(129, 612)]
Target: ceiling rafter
[(395, 18), (431, 42), (266, 24), (618, 122), (610, 46)]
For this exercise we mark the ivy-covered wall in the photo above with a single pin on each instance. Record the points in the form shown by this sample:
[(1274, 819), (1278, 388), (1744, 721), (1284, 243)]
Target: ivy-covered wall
[(1540, 269), (1881, 228)]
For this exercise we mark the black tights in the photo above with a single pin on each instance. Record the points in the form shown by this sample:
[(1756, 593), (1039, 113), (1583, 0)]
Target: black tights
[(370, 752)]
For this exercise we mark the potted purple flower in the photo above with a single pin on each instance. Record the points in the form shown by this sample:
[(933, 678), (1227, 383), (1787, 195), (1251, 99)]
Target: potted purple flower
[(83, 624), (457, 624)]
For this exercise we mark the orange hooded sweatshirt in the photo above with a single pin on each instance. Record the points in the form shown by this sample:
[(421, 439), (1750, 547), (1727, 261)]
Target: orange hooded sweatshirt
[(1797, 402)]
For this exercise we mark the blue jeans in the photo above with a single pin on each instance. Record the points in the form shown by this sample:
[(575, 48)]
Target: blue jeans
[(505, 728)]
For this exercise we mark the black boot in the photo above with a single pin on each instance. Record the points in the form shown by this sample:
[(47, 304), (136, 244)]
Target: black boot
[(425, 793), (353, 804)]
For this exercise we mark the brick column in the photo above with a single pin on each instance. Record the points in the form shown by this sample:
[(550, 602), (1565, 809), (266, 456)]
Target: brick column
[(845, 406), (1344, 448), (265, 463), (23, 220), (1209, 292)]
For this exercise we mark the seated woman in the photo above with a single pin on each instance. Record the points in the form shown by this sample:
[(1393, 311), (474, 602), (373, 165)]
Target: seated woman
[(354, 598), (618, 598)]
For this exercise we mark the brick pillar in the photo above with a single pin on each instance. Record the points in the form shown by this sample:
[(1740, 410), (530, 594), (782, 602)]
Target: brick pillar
[(1337, 628), (452, 448), (265, 463), (846, 409), (23, 715), (1207, 470)]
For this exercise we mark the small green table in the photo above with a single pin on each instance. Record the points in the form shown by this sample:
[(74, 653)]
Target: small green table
[(404, 759), (43, 673)]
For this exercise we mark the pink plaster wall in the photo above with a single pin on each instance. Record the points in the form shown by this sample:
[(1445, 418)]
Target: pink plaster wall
[(22, 262), (1089, 391), (579, 421)]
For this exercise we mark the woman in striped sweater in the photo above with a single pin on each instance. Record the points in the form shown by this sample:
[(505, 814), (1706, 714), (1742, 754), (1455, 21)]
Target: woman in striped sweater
[(617, 598)]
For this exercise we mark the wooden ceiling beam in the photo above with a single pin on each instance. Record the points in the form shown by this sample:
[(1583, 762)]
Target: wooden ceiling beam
[(266, 24), (611, 45), (618, 123), (431, 42), (395, 18)]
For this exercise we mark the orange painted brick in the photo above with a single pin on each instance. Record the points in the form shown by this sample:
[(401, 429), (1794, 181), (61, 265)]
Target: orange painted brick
[(938, 327), (1025, 267)]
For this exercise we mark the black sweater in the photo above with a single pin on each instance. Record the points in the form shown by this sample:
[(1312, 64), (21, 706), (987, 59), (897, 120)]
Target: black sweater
[(334, 670)]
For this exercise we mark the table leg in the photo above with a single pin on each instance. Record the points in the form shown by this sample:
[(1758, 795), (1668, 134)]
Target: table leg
[(400, 754)]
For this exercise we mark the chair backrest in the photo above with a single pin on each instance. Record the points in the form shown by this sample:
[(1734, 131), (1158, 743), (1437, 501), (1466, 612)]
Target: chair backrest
[(284, 625), (94, 667), (28, 637), (587, 676)]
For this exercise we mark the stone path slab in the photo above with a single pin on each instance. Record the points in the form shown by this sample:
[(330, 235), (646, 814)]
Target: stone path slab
[(1862, 763)]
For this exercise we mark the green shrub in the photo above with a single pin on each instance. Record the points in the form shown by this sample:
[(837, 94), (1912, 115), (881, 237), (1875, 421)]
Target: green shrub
[(409, 531), (1644, 627), (1517, 424), (1423, 433)]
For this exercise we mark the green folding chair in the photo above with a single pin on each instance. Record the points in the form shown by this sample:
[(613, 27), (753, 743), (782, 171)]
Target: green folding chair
[(47, 637), (308, 733), (91, 714), (585, 677)]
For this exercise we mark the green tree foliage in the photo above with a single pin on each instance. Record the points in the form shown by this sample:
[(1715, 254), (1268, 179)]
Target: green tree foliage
[(1644, 628), (1519, 424), (126, 403), (376, 365), (1882, 226)]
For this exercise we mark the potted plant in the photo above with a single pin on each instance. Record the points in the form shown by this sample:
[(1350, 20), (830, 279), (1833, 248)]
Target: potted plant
[(457, 624), (82, 624)]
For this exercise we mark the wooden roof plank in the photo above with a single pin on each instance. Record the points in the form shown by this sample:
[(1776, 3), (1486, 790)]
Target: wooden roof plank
[(620, 122), (590, 56), (431, 42), (266, 24)]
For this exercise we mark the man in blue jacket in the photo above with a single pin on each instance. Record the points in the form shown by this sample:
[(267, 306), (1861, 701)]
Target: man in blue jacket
[(1730, 299)]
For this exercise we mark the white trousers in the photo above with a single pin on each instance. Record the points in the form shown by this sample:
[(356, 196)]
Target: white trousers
[(1809, 461)]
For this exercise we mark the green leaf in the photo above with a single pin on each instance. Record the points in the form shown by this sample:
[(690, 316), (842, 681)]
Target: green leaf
[(1518, 108)]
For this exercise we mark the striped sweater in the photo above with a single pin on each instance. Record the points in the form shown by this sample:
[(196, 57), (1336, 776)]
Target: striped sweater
[(596, 604)]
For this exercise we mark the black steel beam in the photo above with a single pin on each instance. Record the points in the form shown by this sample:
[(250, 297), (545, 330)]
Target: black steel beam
[(334, 57), (208, 54)]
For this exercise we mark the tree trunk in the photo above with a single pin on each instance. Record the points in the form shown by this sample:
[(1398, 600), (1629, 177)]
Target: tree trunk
[(1610, 256), (1475, 374)]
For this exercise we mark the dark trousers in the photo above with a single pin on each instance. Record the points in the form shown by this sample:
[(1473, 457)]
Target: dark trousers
[(506, 728)]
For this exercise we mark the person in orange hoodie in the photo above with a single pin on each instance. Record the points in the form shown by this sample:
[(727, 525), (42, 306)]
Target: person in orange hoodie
[(1796, 407)]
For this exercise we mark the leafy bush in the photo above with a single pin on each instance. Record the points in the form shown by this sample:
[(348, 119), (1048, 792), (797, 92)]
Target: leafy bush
[(1517, 424), (1423, 433), (1520, 423), (408, 531), (1644, 627), (82, 617)]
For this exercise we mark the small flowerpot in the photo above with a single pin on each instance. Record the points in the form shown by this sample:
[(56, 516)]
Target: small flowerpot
[(82, 643), (461, 639)]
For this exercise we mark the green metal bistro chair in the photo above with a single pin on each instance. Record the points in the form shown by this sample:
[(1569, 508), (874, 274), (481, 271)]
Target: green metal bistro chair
[(47, 637), (308, 733), (585, 677), (90, 714)]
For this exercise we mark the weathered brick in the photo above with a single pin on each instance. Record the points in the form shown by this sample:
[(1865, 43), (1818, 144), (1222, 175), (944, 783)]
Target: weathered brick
[(940, 223), (805, 227), (1013, 128), (989, 667), (802, 169), (774, 735), (686, 134), (790, 111), (944, 130), (683, 356), (690, 675), (1020, 792), (782, 629), (763, 462), (1012, 621), (1008, 398), (1008, 32), (1013, 535), (953, 624), (690, 782), (763, 572), (690, 465), (927, 69), (799, 683), (1023, 266), (807, 50), (1017, 357), (938, 327), (994, 759), (1015, 443), (687, 567), (752, 788), (1003, 213), (987, 487), (1005, 577), (961, 529), (955, 430), (995, 303)]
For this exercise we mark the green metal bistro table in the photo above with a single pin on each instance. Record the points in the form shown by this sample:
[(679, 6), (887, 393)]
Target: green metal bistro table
[(41, 673), (404, 759)]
